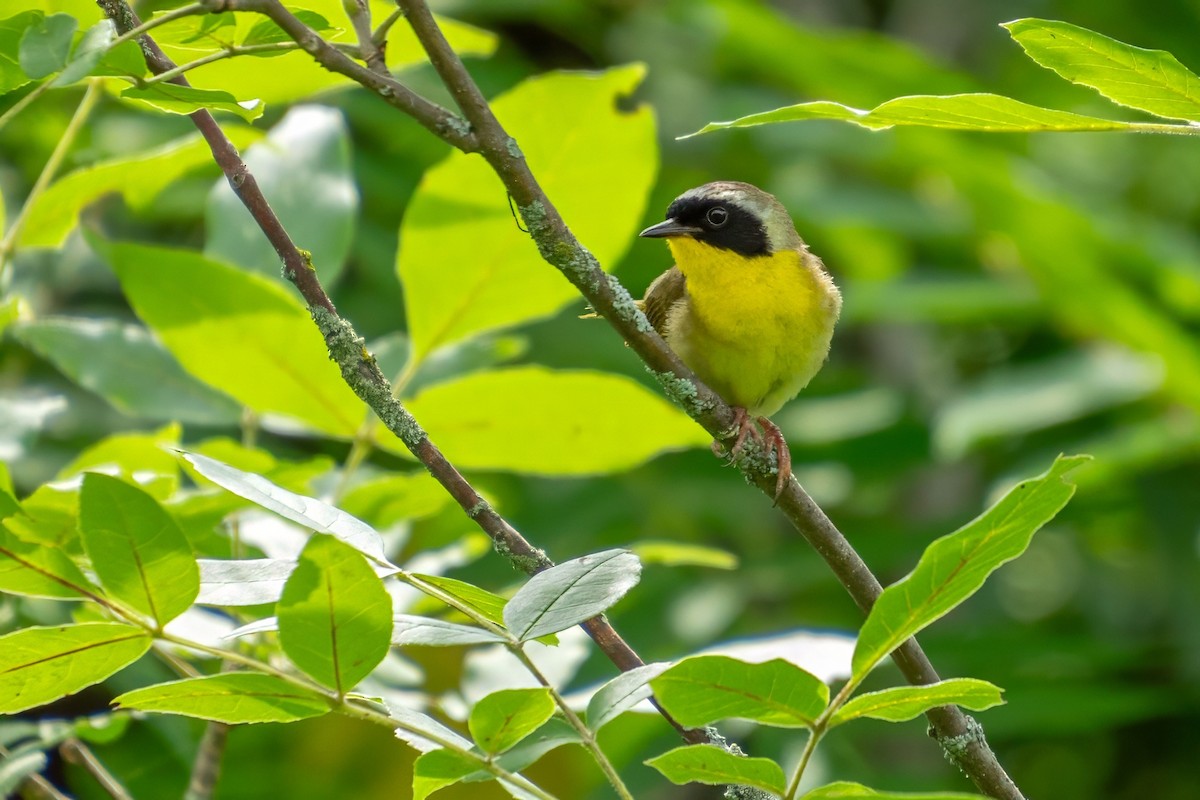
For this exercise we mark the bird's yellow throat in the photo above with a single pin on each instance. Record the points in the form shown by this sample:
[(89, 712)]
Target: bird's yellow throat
[(745, 297)]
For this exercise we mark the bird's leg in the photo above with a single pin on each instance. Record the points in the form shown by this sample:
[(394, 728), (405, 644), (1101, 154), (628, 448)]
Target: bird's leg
[(783, 457), (743, 425)]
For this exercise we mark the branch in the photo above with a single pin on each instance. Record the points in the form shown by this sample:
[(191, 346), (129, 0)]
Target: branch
[(445, 124), (358, 366), (960, 736)]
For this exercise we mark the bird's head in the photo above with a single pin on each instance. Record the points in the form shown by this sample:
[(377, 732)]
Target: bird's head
[(732, 216)]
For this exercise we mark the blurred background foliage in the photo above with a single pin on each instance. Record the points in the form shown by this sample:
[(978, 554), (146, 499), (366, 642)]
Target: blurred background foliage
[(1007, 298)]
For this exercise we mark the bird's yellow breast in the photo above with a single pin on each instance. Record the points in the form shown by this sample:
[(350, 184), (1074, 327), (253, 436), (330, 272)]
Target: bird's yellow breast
[(755, 329)]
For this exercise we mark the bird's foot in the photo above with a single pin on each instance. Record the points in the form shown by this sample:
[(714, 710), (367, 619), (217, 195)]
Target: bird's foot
[(743, 426), (771, 437), (783, 458)]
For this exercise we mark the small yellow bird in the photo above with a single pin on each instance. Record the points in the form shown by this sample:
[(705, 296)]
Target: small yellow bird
[(747, 307)]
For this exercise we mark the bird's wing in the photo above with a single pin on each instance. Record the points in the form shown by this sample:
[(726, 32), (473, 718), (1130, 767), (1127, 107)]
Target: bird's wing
[(667, 290)]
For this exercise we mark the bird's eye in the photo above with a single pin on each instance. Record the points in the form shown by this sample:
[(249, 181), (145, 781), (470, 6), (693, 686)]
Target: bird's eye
[(717, 216)]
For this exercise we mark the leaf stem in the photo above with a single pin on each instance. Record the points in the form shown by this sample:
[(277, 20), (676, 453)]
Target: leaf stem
[(49, 170), (585, 733)]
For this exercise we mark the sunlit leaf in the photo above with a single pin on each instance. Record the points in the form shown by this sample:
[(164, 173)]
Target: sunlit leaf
[(414, 630), (234, 698), (1149, 80), (139, 178), (570, 593), (705, 689), (137, 549), (303, 169), (265, 31), (682, 554), (716, 766), (238, 332), (955, 566), (307, 511), (40, 665), (422, 732), (245, 582), (959, 112), (535, 420), (172, 98), (596, 161), (438, 769), (386, 500), (621, 694), (502, 719), (908, 702), (38, 570), (335, 616)]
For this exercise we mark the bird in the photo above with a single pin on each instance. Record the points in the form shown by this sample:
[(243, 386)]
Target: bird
[(747, 306)]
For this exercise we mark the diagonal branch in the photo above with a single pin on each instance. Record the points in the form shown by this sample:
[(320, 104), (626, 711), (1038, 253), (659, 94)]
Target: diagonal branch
[(961, 737), (358, 367)]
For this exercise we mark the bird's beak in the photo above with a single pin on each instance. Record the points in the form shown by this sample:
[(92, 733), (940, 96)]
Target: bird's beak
[(669, 228)]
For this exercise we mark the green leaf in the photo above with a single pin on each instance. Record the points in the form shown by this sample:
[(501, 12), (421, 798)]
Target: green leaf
[(171, 98), (422, 732), (126, 366), (137, 549), (8, 503), (40, 665), (37, 570), (265, 31), (335, 616), (1012, 401), (955, 566), (957, 112), (490, 605), (438, 769), (908, 702), (201, 33), (596, 161), (1149, 80), (715, 766), (386, 500), (305, 511), (554, 734), (244, 582), (844, 790), (88, 53), (46, 44), (567, 594), (430, 632), (535, 420), (683, 554), (503, 718), (233, 698), (297, 76), (303, 169), (239, 333), (139, 179), (621, 694), (11, 31), (705, 689)]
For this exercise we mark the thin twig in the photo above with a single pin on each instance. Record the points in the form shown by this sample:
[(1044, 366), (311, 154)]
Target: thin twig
[(206, 768), (359, 12), (359, 368), (49, 170), (443, 123), (960, 736), (79, 753)]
